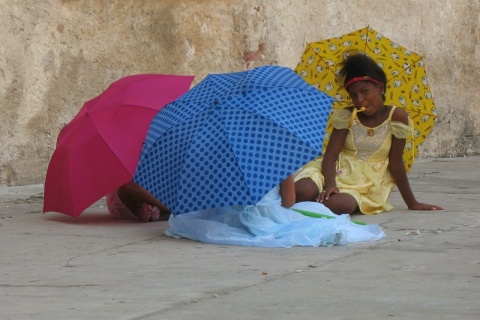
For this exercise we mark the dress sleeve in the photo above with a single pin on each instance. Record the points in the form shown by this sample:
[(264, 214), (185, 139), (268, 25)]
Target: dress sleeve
[(341, 118), (401, 130)]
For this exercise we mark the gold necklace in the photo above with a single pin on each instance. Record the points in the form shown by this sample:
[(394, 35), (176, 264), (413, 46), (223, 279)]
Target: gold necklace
[(371, 131)]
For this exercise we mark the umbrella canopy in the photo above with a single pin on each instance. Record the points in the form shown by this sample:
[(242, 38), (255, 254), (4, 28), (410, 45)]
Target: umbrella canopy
[(407, 84), (98, 150), (232, 138)]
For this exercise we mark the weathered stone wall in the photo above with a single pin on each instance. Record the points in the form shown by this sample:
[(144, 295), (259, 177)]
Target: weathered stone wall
[(56, 54)]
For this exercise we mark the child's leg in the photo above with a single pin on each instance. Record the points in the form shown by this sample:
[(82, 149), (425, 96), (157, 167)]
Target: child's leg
[(341, 203), (306, 190), (117, 208), (127, 199), (133, 196)]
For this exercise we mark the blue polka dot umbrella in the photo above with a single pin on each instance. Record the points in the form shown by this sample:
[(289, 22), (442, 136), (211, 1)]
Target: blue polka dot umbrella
[(232, 138)]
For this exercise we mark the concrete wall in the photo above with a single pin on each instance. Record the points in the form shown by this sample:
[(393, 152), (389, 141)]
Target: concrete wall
[(56, 54)]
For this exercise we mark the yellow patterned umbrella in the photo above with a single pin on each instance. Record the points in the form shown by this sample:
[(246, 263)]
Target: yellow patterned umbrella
[(407, 84)]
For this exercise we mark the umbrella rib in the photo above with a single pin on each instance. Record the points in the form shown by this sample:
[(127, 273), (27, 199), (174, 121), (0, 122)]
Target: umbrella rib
[(404, 70), (278, 124), (126, 84)]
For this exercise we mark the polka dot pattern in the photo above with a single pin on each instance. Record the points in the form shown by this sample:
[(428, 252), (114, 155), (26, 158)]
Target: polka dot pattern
[(232, 138)]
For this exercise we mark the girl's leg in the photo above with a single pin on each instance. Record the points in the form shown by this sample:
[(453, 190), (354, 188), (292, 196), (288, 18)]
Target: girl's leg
[(139, 195), (134, 196), (125, 196), (305, 190), (341, 203)]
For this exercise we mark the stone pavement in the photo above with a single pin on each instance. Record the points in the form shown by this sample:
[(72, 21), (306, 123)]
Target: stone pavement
[(428, 267)]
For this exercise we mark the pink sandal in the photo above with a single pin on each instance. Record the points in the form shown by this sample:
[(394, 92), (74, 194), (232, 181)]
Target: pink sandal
[(144, 212), (155, 214)]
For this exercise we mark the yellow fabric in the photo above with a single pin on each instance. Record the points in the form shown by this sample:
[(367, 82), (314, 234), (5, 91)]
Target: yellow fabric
[(407, 84), (365, 177), (341, 118)]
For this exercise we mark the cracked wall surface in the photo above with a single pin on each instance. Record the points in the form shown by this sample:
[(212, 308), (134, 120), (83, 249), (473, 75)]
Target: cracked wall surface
[(57, 54)]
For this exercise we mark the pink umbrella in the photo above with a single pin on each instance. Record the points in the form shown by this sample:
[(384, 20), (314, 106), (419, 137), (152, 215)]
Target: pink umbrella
[(98, 151)]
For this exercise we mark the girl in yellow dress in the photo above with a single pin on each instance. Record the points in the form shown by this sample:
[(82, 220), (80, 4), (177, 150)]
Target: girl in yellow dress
[(364, 158)]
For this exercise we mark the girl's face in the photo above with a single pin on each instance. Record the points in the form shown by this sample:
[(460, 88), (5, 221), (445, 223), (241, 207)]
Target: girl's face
[(368, 95)]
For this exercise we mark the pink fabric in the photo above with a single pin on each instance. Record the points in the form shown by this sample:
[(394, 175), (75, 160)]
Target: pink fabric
[(116, 208), (98, 150)]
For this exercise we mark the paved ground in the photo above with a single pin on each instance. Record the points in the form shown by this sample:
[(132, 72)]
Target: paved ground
[(95, 267)]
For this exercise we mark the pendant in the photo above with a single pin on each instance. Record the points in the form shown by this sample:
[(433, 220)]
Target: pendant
[(370, 132)]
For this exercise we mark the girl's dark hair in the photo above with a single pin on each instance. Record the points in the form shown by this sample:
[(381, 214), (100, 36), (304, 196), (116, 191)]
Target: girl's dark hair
[(359, 65)]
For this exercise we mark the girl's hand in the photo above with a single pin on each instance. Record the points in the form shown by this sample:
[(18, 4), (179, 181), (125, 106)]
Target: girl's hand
[(325, 194), (424, 206)]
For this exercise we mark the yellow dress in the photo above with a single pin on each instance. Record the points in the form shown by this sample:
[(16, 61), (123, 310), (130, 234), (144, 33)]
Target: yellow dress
[(362, 166)]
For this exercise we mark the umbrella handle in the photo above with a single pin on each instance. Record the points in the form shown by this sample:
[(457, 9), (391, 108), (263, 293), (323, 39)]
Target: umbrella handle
[(354, 115)]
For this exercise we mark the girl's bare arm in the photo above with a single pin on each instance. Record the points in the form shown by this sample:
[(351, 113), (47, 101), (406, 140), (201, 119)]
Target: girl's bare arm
[(398, 172), (329, 161)]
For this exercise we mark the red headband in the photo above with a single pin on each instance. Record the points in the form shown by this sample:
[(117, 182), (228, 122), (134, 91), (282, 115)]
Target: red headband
[(363, 78)]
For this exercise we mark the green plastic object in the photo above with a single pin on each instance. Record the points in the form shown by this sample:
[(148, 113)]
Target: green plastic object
[(319, 215)]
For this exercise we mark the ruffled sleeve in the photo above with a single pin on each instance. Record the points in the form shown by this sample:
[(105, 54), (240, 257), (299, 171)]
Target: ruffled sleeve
[(341, 118), (401, 130)]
